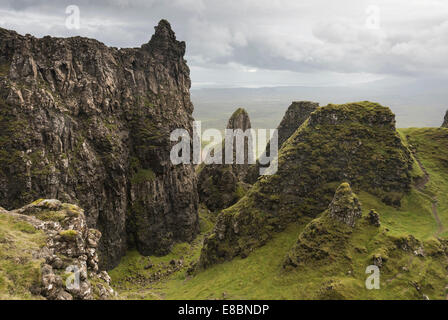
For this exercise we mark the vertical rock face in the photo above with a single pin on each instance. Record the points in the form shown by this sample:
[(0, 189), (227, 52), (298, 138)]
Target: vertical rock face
[(85, 123), (220, 185), (239, 120), (445, 120), (345, 205), (294, 117)]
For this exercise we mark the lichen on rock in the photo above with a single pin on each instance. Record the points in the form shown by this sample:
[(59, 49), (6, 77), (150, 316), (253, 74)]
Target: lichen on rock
[(345, 205), (70, 250)]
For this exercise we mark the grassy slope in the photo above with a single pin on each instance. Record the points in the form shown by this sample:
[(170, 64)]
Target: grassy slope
[(18, 270), (260, 275), (431, 145)]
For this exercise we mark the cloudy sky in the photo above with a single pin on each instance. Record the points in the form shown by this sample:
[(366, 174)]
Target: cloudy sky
[(253, 43)]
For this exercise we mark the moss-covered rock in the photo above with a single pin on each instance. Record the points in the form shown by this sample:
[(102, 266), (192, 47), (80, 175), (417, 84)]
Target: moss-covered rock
[(345, 205), (221, 185), (294, 117), (65, 249), (326, 237), (354, 142)]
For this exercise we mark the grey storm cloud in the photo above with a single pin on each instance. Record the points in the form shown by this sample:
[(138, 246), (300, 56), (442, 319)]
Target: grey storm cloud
[(238, 39)]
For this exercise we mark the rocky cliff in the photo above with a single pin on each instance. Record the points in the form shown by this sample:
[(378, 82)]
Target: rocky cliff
[(355, 142), (221, 185), (89, 124)]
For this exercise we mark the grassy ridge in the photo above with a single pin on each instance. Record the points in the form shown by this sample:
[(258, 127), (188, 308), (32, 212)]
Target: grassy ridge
[(431, 147)]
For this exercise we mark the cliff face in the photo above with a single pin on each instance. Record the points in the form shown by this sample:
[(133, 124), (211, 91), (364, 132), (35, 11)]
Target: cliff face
[(88, 124), (294, 117)]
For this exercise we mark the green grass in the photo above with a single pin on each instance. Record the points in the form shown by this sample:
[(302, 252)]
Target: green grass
[(143, 175), (68, 234), (132, 280), (19, 271), (414, 216), (261, 275), (431, 145)]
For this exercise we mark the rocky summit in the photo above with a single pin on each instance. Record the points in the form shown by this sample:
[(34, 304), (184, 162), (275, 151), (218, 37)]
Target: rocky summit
[(355, 142), (296, 114), (90, 124)]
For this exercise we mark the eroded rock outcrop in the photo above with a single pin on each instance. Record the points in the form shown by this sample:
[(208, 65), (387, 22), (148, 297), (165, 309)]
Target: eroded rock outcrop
[(294, 117), (221, 185), (354, 142), (345, 205), (69, 268), (89, 124), (327, 236), (374, 218)]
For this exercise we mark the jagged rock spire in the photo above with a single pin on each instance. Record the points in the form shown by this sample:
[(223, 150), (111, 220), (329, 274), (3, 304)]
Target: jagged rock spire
[(219, 184), (164, 41), (127, 96), (345, 205), (294, 117), (163, 30), (239, 120)]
